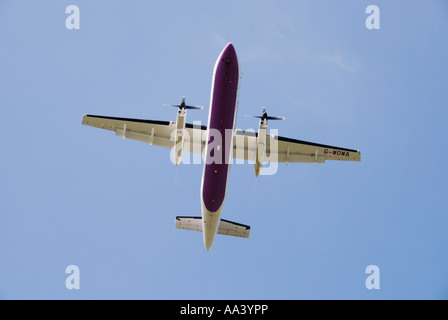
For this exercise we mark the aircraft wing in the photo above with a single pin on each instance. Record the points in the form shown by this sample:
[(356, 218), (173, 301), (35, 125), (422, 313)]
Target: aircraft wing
[(153, 132), (281, 149), (278, 149), (290, 150)]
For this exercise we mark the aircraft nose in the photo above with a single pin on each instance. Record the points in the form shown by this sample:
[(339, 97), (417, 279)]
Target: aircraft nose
[(229, 50), (228, 55), (229, 46)]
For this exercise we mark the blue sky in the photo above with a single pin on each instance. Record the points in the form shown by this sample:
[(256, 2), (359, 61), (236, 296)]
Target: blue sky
[(76, 195)]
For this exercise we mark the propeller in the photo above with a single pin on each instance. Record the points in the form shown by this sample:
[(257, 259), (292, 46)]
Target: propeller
[(183, 105), (264, 116)]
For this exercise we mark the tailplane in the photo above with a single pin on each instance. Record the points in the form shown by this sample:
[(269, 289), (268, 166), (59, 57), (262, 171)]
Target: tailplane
[(225, 227)]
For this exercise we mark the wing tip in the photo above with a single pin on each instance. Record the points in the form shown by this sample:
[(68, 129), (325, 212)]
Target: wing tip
[(84, 119)]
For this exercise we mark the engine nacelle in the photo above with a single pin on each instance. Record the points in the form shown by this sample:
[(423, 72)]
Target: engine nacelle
[(179, 135), (260, 154)]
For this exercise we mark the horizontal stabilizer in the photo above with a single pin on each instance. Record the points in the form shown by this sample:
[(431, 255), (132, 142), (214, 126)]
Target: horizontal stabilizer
[(225, 227), (235, 229)]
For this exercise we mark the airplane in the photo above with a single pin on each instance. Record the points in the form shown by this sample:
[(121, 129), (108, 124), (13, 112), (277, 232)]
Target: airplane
[(220, 143)]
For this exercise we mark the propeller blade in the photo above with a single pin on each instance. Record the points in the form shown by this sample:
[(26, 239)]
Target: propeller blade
[(194, 107), (252, 116), (182, 105), (275, 118), (265, 116)]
